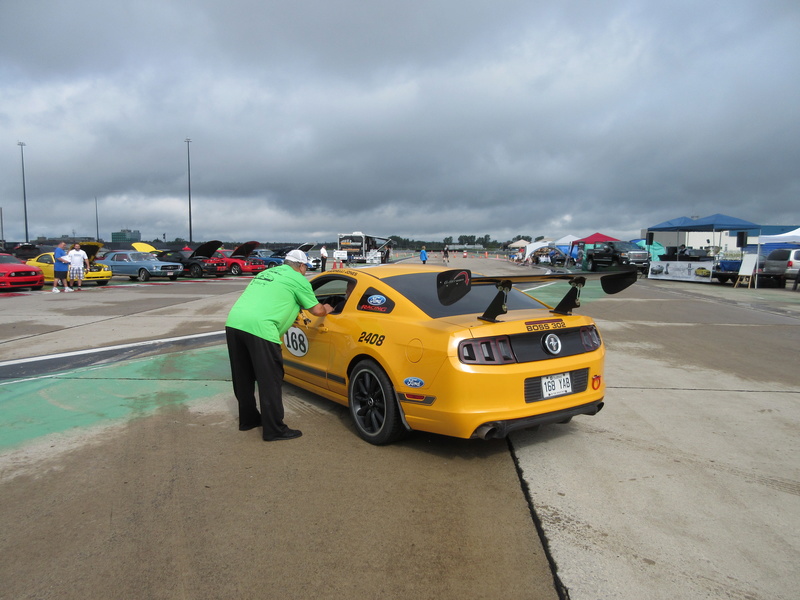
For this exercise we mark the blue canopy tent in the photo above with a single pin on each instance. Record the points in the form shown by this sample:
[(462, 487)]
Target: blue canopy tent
[(678, 224), (716, 222), (711, 223), (720, 222)]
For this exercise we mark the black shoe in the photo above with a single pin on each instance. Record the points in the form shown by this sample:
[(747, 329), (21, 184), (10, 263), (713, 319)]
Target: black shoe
[(289, 434), (244, 427)]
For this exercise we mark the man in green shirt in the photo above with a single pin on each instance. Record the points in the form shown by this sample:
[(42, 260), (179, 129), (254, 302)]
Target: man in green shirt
[(254, 329)]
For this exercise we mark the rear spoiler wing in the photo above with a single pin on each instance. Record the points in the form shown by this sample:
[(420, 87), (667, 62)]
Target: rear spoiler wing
[(454, 284)]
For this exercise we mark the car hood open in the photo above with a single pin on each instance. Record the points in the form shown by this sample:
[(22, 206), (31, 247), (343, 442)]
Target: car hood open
[(144, 247), (245, 249), (207, 249), (91, 249)]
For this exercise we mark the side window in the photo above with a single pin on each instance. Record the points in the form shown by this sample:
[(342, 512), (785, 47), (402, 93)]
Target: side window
[(46, 259)]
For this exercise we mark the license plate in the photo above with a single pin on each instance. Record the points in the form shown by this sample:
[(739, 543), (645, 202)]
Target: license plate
[(556, 385)]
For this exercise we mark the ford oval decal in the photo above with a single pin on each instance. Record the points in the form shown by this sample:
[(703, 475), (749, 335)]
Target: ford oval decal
[(376, 300), (414, 382)]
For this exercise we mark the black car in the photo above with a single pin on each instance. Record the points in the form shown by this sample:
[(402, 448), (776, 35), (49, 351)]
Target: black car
[(27, 251), (198, 262), (278, 255)]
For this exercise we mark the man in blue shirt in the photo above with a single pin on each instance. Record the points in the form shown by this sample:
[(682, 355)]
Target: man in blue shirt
[(60, 268)]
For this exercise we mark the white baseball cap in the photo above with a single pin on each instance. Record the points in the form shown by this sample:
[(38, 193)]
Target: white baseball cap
[(297, 256)]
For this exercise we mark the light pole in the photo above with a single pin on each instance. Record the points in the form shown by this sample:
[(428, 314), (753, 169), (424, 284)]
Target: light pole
[(189, 171), (24, 197)]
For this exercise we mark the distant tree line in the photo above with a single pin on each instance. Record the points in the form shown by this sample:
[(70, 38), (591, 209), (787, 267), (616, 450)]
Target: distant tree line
[(484, 241)]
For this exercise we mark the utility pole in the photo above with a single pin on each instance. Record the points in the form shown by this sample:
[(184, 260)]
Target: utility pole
[(24, 196), (189, 172), (96, 220)]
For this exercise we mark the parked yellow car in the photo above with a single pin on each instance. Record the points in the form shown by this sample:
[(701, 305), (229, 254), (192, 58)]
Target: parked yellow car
[(418, 347), (97, 273)]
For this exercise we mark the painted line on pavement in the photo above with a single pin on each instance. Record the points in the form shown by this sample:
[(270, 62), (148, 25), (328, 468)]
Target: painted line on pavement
[(21, 361)]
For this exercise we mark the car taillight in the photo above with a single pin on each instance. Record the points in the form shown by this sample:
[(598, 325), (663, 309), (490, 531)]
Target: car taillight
[(590, 338), (789, 265), (486, 351)]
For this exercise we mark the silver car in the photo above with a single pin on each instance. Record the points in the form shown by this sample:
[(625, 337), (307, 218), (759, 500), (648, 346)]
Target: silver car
[(140, 265), (782, 265)]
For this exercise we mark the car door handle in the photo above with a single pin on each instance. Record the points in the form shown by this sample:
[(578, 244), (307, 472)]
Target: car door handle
[(322, 329)]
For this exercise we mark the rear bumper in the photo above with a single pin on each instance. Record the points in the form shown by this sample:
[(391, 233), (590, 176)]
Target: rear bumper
[(500, 429)]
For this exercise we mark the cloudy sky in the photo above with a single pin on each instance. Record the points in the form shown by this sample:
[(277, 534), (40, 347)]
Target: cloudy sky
[(421, 119)]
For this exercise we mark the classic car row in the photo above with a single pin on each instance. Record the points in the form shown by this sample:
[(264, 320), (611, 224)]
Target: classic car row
[(144, 262)]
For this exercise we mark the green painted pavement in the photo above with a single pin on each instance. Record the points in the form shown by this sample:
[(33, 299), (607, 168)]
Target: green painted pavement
[(551, 294), (81, 398)]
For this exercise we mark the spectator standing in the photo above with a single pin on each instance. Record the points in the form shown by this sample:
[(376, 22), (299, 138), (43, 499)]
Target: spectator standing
[(78, 262), (446, 255), (423, 255), (323, 257), (60, 268), (253, 331)]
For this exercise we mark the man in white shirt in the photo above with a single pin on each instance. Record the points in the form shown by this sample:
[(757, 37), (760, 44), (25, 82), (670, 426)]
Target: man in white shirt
[(323, 256), (78, 261)]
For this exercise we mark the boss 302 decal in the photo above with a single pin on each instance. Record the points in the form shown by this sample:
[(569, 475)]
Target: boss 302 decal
[(545, 325)]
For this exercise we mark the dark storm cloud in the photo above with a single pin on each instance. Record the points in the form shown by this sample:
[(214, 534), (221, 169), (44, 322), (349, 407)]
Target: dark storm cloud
[(421, 119)]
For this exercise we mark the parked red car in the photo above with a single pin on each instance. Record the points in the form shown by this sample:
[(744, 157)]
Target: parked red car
[(239, 261), (15, 274)]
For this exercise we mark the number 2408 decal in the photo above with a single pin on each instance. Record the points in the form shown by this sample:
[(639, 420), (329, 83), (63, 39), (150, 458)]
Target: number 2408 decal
[(371, 338)]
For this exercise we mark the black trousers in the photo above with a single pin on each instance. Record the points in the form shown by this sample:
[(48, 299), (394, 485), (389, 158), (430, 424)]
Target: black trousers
[(256, 360), (323, 260)]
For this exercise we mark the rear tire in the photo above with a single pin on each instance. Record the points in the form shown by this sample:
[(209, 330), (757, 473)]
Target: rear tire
[(144, 275), (592, 266), (373, 405), (102, 283)]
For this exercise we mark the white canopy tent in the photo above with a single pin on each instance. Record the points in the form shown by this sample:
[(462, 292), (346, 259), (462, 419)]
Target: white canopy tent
[(533, 247), (566, 240), (790, 237)]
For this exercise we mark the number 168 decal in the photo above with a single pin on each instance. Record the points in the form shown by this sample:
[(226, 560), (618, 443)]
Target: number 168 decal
[(296, 341)]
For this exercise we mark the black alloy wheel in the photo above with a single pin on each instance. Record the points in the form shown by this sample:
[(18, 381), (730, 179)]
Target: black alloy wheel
[(373, 405), (195, 271)]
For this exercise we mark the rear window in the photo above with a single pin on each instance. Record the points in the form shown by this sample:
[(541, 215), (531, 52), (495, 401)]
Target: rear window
[(781, 254), (420, 288)]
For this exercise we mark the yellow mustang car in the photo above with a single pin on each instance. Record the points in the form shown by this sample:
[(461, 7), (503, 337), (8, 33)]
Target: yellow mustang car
[(97, 273), (415, 347)]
